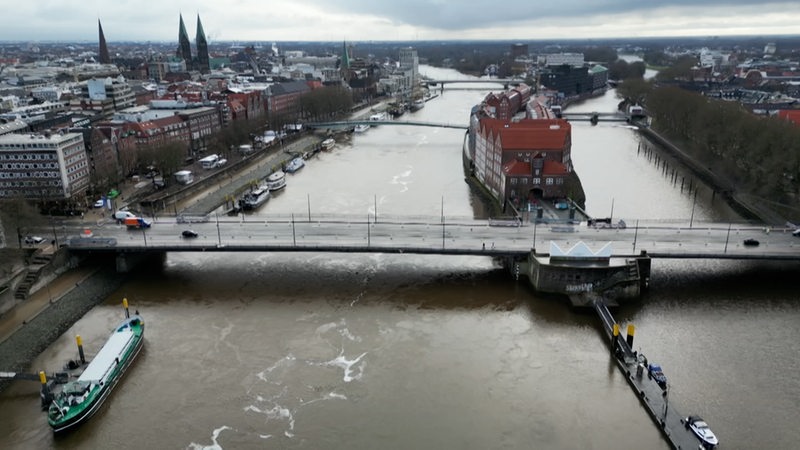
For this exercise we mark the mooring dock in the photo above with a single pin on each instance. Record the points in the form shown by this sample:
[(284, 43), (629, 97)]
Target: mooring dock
[(654, 399)]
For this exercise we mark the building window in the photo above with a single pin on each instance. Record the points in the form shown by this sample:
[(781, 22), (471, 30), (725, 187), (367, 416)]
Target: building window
[(537, 181), (548, 181)]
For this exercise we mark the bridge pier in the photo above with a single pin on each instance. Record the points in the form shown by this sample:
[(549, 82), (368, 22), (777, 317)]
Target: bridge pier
[(128, 261), (615, 278)]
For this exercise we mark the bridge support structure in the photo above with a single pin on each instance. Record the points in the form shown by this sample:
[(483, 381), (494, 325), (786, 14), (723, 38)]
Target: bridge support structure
[(613, 278), (128, 261)]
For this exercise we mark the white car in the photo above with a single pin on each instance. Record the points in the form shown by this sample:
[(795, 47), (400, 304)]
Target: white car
[(33, 240), (99, 203), (700, 428)]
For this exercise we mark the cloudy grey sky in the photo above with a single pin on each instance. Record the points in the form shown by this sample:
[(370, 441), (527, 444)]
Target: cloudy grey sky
[(360, 20)]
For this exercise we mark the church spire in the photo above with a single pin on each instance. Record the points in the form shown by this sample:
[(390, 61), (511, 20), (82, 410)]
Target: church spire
[(345, 56), (203, 62), (184, 46), (103, 55)]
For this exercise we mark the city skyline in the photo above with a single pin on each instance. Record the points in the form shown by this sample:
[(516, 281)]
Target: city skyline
[(362, 20)]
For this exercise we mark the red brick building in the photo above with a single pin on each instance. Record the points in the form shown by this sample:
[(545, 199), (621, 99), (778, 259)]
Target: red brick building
[(253, 102), (284, 98), (523, 160)]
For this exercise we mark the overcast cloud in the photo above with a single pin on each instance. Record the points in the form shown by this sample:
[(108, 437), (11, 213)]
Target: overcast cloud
[(361, 20)]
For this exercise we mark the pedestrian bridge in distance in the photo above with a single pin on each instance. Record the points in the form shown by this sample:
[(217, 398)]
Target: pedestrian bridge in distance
[(506, 82), (435, 236), (350, 124)]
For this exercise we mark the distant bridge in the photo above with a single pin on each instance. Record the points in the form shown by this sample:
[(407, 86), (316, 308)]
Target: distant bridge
[(506, 82), (349, 124), (595, 117)]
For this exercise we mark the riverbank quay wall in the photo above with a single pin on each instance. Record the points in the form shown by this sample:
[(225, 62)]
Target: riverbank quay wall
[(20, 348), (748, 210)]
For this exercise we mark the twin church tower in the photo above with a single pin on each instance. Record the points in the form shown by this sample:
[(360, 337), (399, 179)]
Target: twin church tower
[(200, 62)]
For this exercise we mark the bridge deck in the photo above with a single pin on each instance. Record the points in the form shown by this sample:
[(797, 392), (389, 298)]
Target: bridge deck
[(423, 236)]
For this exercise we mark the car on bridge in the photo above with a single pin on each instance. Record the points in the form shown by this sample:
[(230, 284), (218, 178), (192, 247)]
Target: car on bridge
[(189, 234), (751, 242), (34, 240), (654, 372)]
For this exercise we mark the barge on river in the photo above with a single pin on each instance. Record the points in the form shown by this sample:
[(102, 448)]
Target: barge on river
[(78, 400)]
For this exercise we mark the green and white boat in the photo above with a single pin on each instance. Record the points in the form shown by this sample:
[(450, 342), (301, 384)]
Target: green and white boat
[(78, 400)]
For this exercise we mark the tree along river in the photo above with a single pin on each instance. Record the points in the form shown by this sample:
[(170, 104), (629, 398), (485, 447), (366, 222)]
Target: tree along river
[(406, 351)]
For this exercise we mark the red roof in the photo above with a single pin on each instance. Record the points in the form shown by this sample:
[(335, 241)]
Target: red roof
[(533, 139), (792, 115), (553, 168), (516, 167), (521, 168)]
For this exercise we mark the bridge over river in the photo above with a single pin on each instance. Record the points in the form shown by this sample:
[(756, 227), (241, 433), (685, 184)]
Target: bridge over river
[(426, 235)]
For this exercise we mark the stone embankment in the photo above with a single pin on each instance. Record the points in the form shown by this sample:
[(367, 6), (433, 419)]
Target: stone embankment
[(58, 308), (739, 202)]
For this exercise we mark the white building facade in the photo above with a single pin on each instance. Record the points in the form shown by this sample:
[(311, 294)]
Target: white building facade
[(43, 166)]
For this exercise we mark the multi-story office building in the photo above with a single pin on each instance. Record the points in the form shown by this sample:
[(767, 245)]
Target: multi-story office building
[(43, 166)]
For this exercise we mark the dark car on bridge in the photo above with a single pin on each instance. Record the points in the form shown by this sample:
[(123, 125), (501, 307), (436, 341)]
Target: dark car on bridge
[(189, 234), (751, 242)]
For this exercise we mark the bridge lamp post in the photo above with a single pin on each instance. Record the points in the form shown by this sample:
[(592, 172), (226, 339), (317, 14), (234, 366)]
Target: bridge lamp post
[(535, 222), (55, 235), (219, 235), (635, 235), (144, 236), (368, 232), (694, 201), (294, 236), (443, 222), (727, 238)]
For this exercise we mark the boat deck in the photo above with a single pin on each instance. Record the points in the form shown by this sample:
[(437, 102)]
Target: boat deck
[(108, 356)]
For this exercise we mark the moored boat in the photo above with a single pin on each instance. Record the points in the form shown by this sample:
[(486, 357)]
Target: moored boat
[(397, 109), (276, 180), (328, 144), (255, 198), (360, 128), (417, 104), (294, 165), (76, 401)]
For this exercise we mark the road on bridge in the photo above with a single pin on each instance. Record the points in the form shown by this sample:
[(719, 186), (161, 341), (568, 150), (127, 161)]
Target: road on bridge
[(659, 240)]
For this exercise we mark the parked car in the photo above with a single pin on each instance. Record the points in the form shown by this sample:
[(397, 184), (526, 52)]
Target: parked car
[(751, 242), (33, 240), (700, 428), (189, 234), (99, 203), (796, 232), (654, 372)]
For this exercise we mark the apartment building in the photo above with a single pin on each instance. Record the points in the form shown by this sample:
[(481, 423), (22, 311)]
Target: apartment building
[(43, 166)]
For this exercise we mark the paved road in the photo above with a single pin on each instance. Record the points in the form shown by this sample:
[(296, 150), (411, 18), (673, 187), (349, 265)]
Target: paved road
[(464, 235)]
